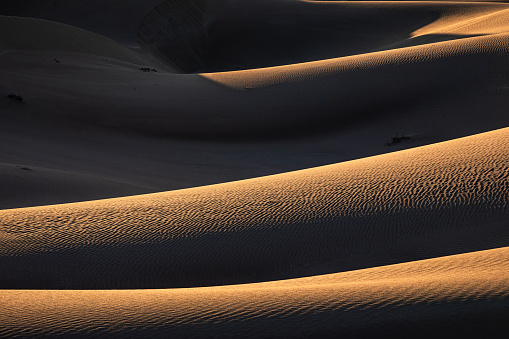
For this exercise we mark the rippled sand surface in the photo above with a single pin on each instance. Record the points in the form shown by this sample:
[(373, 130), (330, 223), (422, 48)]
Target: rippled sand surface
[(254, 169)]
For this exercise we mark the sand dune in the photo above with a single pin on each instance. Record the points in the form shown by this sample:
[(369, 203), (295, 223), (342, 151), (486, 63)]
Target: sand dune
[(386, 121), (214, 35), (277, 101), (296, 99), (24, 186), (115, 19), (430, 201), (36, 34), (464, 294)]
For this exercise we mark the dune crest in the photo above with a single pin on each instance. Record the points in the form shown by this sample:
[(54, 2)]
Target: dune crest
[(429, 201), (37, 34), (214, 35), (254, 168), (464, 294)]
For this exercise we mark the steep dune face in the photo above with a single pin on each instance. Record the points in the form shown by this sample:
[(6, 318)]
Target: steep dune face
[(430, 201), (175, 32), (219, 35)]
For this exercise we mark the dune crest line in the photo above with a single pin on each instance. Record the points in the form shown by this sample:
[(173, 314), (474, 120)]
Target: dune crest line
[(416, 298), (254, 169), (428, 201)]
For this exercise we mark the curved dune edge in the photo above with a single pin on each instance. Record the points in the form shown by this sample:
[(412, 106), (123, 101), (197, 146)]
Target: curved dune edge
[(480, 21), (331, 251), (211, 36), (116, 19), (27, 34), (269, 102), (422, 57), (429, 201), (421, 298)]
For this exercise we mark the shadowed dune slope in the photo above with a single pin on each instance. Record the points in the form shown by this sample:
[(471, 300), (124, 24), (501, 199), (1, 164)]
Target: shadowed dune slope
[(406, 244), (429, 201), (466, 294), (116, 19), (41, 35), (24, 186), (269, 102), (219, 35), (175, 32), (296, 99)]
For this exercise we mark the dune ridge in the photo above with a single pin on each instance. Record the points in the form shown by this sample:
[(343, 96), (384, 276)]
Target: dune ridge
[(38, 34), (386, 121), (338, 91), (429, 201), (417, 298), (227, 36), (334, 90)]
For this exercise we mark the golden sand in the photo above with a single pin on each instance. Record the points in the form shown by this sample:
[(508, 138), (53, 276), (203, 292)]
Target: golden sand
[(406, 243)]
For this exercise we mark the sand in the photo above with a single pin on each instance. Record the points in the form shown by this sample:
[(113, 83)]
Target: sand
[(34, 186), (419, 299), (254, 169)]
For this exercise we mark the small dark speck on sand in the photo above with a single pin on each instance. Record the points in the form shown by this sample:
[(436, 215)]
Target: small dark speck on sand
[(24, 168), (15, 97), (397, 139)]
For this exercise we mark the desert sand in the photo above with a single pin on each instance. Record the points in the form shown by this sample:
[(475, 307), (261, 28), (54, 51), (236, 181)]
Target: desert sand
[(261, 168)]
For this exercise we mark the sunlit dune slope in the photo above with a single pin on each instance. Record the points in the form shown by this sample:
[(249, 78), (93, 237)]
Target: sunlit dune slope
[(406, 244), (24, 186), (466, 294), (269, 102), (463, 20), (457, 75), (218, 36), (420, 203)]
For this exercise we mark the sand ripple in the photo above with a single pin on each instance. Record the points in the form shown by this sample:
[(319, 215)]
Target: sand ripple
[(404, 244), (429, 201), (420, 298)]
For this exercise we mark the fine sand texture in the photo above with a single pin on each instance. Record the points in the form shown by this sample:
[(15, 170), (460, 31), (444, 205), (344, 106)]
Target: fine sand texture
[(462, 295), (254, 169)]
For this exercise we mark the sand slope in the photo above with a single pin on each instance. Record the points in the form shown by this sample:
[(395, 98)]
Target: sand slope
[(116, 19), (465, 294), (37, 34), (430, 201), (24, 186), (403, 232), (281, 101), (238, 34)]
